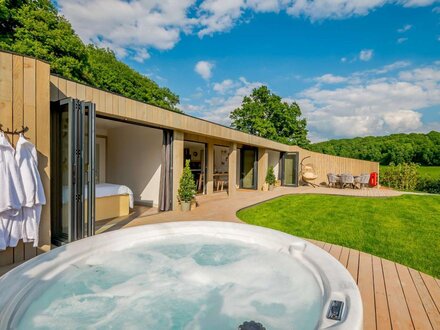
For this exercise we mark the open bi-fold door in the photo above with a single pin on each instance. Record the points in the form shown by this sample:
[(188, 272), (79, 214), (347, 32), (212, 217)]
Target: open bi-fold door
[(73, 170)]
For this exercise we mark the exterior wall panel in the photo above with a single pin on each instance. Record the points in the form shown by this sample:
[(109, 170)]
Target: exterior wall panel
[(25, 101)]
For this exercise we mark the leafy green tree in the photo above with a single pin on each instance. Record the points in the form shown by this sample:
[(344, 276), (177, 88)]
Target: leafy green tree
[(423, 149), (264, 114), (34, 28), (111, 74)]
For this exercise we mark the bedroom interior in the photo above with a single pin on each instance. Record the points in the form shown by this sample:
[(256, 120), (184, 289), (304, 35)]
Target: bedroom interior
[(125, 190)]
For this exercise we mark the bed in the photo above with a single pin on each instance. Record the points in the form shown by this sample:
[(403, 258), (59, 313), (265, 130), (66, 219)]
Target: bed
[(112, 200)]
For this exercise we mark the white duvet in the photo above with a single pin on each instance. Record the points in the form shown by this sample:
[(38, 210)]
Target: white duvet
[(106, 189), (110, 189)]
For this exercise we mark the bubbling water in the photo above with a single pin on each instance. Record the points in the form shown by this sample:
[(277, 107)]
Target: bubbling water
[(191, 282)]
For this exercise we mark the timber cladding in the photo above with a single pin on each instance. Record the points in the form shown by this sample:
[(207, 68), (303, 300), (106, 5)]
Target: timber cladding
[(27, 87), (24, 101)]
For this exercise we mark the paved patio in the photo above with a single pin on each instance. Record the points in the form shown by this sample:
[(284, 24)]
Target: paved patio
[(219, 206)]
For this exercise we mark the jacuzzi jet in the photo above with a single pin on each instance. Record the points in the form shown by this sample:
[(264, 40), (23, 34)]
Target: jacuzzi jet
[(251, 325)]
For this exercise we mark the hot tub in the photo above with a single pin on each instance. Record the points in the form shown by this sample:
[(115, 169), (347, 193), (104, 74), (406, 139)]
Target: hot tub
[(185, 275)]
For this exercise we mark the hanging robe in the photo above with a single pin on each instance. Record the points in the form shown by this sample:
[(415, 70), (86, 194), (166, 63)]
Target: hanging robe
[(27, 161), (11, 194)]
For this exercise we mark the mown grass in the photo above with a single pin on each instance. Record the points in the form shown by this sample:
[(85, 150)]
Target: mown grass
[(404, 229)]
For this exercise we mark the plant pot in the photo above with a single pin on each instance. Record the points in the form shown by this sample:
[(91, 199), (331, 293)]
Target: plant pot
[(185, 206), (271, 187)]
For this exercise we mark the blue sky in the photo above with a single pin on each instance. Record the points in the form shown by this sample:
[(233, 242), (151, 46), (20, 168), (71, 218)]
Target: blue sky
[(355, 68)]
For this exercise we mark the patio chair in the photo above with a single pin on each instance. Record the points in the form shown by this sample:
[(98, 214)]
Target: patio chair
[(333, 180), (308, 174), (347, 179), (364, 180)]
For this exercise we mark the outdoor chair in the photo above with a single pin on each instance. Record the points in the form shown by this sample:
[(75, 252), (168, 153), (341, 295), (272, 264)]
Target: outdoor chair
[(309, 175), (347, 180), (364, 180), (333, 180)]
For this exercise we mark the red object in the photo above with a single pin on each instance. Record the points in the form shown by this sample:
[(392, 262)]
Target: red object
[(373, 179)]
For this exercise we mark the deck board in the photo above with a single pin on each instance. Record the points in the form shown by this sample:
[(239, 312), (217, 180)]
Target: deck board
[(394, 296), (353, 264), (366, 287), (415, 306), (430, 307), (383, 321)]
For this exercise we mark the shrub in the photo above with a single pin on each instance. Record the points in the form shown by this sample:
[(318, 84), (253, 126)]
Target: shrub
[(429, 185), (402, 177), (270, 176), (187, 186)]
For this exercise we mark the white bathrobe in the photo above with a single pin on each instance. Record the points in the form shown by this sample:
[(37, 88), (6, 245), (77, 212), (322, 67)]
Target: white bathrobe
[(11, 194), (27, 161)]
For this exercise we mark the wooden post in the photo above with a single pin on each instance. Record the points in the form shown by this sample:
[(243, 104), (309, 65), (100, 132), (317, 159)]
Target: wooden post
[(178, 143), (210, 169), (232, 170), (263, 162)]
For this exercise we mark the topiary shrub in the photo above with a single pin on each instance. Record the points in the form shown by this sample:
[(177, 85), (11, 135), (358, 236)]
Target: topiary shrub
[(270, 176), (187, 186)]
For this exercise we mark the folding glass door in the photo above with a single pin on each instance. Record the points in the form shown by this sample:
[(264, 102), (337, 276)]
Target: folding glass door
[(73, 176), (248, 166), (289, 172)]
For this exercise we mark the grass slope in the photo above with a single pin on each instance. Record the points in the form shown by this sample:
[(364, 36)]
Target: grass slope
[(403, 229)]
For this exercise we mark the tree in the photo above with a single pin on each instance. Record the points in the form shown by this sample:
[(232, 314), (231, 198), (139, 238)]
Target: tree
[(34, 28), (423, 149), (264, 114)]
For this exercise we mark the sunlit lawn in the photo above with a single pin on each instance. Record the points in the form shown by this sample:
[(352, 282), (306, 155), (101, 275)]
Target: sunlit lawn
[(405, 229)]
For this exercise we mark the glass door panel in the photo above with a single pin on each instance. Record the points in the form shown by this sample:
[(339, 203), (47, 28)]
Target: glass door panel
[(290, 169), (248, 159), (73, 153)]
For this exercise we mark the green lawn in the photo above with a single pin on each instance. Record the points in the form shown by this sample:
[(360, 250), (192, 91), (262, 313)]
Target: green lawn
[(405, 229), (424, 171)]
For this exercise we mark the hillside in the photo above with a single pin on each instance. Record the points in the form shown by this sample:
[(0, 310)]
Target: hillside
[(423, 149), (34, 28)]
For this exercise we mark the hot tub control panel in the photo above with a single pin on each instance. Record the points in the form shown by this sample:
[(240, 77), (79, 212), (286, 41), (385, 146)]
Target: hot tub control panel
[(335, 310)]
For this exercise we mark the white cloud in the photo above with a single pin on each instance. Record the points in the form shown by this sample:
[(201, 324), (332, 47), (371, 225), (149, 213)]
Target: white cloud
[(366, 55), (224, 86), (218, 107), (401, 40), (204, 69), (132, 28), (373, 104), (343, 59), (330, 79), (405, 28)]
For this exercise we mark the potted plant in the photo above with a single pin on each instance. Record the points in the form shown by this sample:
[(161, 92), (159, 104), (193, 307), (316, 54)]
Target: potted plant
[(270, 178), (187, 188)]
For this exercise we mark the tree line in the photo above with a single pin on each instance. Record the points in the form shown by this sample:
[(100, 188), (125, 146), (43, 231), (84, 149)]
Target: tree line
[(34, 28), (422, 149)]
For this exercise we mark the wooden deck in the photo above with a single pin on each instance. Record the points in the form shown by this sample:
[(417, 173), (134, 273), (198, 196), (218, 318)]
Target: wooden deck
[(393, 296)]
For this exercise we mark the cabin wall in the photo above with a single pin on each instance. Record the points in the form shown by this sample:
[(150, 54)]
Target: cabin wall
[(24, 101)]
